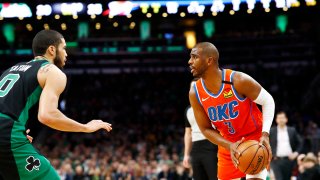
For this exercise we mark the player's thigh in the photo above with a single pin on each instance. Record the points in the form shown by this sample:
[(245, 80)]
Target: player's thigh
[(51, 173), (32, 165), (226, 168)]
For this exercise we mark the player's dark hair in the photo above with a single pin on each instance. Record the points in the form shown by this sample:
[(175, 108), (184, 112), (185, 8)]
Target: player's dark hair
[(43, 40), (208, 49)]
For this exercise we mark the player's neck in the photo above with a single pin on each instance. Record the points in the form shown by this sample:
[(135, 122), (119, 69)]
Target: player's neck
[(42, 57), (213, 80)]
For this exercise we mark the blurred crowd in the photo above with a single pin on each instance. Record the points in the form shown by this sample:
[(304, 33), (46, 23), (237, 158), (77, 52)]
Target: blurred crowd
[(134, 152)]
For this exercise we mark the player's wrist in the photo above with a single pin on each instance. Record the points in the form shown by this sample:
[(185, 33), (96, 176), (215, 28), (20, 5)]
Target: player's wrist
[(266, 134), (230, 146), (85, 128)]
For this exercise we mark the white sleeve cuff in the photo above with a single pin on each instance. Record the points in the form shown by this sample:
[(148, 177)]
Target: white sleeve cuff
[(268, 106)]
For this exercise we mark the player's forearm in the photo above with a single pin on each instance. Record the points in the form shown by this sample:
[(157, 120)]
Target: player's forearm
[(57, 120), (214, 137), (187, 144), (268, 107)]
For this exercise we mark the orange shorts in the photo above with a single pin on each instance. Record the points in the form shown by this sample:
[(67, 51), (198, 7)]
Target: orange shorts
[(226, 169)]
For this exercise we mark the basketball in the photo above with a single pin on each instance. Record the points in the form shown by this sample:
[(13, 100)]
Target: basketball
[(253, 157)]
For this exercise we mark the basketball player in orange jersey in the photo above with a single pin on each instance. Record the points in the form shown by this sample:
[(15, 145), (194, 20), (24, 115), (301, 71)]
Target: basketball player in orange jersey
[(224, 103)]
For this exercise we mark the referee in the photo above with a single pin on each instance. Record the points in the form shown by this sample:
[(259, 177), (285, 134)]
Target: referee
[(201, 152)]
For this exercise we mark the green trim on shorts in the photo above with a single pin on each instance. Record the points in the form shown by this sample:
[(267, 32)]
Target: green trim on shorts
[(5, 116)]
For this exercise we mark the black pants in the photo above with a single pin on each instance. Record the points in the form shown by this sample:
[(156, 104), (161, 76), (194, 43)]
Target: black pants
[(204, 160), (282, 168)]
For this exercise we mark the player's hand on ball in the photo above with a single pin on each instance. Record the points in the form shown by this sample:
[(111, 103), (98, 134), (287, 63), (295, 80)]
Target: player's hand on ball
[(265, 141), (95, 125), (234, 151)]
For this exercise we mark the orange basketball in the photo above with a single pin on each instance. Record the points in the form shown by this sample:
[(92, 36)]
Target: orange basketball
[(253, 157)]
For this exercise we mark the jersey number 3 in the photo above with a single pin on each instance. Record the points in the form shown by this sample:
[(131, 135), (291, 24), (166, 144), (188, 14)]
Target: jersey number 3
[(7, 83), (230, 127)]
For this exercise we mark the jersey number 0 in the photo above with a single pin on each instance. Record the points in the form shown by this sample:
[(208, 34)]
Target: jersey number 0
[(7, 83)]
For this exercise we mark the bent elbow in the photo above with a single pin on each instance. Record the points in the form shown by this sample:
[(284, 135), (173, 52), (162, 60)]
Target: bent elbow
[(44, 118), (206, 132)]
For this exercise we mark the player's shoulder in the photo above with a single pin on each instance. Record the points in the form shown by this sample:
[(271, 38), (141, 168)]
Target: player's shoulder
[(52, 71), (240, 77), (50, 68)]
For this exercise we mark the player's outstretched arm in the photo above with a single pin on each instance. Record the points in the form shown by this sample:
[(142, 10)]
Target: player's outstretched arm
[(95, 125), (53, 81)]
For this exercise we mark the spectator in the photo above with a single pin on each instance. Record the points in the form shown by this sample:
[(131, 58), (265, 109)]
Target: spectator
[(309, 168), (286, 144)]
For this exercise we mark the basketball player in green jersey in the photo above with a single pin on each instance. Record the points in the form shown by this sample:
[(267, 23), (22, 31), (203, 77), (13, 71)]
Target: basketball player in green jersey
[(21, 87)]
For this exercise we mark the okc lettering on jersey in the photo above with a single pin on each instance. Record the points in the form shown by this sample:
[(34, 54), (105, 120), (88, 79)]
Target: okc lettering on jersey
[(223, 112)]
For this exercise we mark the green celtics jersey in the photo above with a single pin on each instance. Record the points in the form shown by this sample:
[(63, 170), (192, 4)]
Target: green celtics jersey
[(19, 91)]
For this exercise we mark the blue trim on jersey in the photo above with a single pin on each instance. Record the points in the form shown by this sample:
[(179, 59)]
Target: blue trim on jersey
[(197, 94), (252, 117), (220, 90), (234, 89)]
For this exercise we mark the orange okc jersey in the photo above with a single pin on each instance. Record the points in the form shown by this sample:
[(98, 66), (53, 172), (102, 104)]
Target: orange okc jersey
[(234, 117)]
